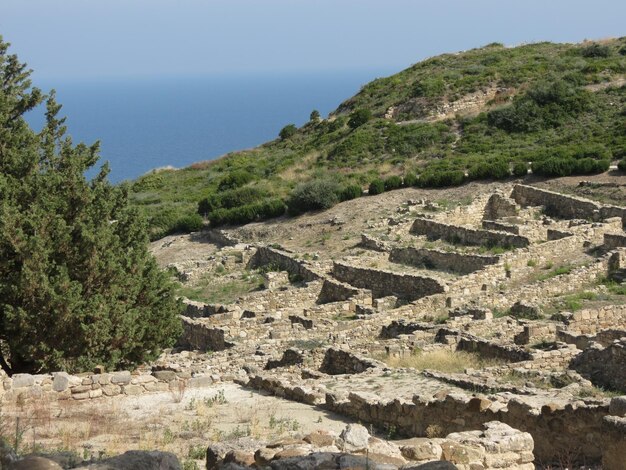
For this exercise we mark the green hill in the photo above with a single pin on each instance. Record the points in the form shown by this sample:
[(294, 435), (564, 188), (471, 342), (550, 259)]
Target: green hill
[(480, 114)]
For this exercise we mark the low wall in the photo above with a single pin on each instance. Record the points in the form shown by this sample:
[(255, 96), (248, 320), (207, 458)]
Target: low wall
[(567, 207), (574, 430), (614, 240), (372, 243), (436, 259), (603, 366), (466, 236), (335, 291), (200, 336), (219, 237), (591, 321), (195, 309), (337, 361), (386, 283), (266, 255), (493, 225)]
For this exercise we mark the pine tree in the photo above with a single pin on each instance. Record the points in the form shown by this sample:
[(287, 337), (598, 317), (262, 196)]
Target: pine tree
[(78, 286)]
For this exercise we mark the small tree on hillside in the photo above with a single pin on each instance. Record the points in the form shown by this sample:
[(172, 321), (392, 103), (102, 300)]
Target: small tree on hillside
[(359, 117), (78, 286), (288, 131)]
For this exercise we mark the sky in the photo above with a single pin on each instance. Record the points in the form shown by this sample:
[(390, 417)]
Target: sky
[(119, 39)]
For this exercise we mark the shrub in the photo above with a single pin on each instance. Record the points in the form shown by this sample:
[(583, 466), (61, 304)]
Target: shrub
[(317, 194), (429, 88), (392, 182), (262, 210), (230, 199), (554, 167), (591, 166), (359, 117), (493, 169), (409, 180), (520, 169), (621, 165), (376, 187), (315, 116), (596, 50), (439, 178), (235, 179), (189, 223), (352, 191), (288, 131)]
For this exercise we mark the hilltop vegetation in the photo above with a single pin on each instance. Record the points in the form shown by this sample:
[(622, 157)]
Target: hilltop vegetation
[(487, 113)]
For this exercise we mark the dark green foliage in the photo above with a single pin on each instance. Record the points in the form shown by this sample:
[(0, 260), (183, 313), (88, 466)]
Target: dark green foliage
[(441, 178), (359, 117), (546, 105), (79, 287), (288, 131), (313, 195), (376, 187), (554, 167), (261, 210), (622, 50), (393, 182), (410, 179), (429, 87), (520, 169), (489, 169), (189, 223), (230, 199), (235, 179), (349, 192), (315, 116), (621, 165), (596, 50)]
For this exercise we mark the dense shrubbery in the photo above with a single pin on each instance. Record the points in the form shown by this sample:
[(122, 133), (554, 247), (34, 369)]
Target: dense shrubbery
[(392, 182), (543, 106), (359, 117), (489, 169), (410, 179), (376, 187), (429, 87), (288, 131), (520, 169), (621, 165), (349, 192), (189, 223), (261, 210), (235, 179), (440, 178), (313, 195), (567, 166), (596, 50), (231, 199)]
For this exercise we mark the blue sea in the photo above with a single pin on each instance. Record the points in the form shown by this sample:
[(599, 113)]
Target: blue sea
[(144, 124)]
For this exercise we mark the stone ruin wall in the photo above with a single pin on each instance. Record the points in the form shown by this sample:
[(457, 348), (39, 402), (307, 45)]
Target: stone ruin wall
[(614, 240), (466, 236), (568, 207), (436, 259), (266, 255), (384, 283)]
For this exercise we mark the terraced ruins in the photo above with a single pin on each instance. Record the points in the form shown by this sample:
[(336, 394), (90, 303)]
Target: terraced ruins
[(489, 332)]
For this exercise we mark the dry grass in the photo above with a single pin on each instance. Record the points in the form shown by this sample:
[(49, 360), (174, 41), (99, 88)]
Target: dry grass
[(442, 360)]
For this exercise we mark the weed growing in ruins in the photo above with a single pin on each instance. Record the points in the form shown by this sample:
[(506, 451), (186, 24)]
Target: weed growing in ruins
[(531, 263), (218, 399), (197, 452), (190, 465), (442, 360), (434, 430)]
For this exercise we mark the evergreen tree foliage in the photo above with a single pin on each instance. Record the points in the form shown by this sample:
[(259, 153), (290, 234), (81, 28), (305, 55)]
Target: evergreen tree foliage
[(78, 286)]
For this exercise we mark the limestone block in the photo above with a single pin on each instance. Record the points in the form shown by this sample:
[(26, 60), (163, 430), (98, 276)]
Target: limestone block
[(617, 407), (122, 377), (132, 389), (111, 390), (61, 381), (23, 380), (354, 437)]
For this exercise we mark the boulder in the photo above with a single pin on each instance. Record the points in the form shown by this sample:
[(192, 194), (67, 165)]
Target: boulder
[(354, 438)]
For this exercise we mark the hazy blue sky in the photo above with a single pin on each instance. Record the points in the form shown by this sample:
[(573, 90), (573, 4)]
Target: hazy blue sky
[(121, 38)]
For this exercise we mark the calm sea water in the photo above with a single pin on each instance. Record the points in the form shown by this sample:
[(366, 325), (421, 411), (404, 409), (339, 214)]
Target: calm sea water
[(146, 124)]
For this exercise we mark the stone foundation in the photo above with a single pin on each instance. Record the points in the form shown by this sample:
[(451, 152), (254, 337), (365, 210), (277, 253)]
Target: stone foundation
[(466, 236)]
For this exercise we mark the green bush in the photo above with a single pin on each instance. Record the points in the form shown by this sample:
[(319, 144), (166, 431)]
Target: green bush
[(262, 210), (359, 117), (429, 88), (392, 182), (596, 50), (288, 131), (376, 187), (230, 199), (591, 166), (621, 165), (410, 179), (351, 191), (235, 179), (489, 169), (189, 223), (438, 178), (520, 169), (554, 167), (317, 194)]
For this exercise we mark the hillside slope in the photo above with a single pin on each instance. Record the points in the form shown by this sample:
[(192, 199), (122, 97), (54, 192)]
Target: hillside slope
[(478, 114)]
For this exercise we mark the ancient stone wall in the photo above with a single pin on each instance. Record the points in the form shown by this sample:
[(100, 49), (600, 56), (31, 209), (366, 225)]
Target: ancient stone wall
[(591, 321), (266, 255), (337, 361), (444, 260), (614, 240), (372, 243), (466, 236), (567, 207), (603, 366), (219, 237), (201, 336), (385, 283), (500, 226), (499, 206), (195, 309), (335, 291)]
